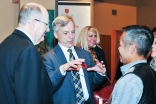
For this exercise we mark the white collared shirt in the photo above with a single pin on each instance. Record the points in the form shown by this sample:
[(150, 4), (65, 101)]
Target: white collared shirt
[(83, 82)]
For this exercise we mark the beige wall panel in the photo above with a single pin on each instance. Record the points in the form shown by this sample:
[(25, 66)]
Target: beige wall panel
[(74, 0), (49, 4), (7, 18), (104, 21), (15, 1), (9, 14)]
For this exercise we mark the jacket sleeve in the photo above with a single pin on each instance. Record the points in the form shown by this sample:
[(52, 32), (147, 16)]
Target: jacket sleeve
[(52, 66), (97, 79)]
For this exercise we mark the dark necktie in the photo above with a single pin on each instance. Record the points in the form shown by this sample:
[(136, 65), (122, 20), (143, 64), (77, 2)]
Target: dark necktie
[(77, 82)]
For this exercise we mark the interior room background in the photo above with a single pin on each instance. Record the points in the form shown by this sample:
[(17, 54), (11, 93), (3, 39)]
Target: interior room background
[(106, 16)]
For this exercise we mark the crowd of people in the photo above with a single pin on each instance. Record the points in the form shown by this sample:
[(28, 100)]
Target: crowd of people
[(68, 74)]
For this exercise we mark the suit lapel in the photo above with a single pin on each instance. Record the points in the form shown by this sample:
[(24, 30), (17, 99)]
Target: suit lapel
[(59, 53), (62, 60)]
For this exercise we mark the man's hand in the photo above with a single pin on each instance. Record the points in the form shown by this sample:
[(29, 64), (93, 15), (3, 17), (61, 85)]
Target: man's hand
[(99, 67), (72, 65)]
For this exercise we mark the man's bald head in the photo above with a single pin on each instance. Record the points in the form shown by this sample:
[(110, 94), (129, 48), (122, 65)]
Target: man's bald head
[(34, 20), (30, 11)]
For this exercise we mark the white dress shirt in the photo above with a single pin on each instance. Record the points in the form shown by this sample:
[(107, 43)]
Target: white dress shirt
[(83, 82)]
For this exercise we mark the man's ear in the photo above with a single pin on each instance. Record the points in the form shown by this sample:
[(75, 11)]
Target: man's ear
[(132, 48), (31, 24), (56, 35)]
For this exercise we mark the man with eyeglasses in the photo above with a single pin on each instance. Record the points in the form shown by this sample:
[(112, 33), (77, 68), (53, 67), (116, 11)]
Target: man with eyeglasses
[(73, 82), (23, 77), (47, 24)]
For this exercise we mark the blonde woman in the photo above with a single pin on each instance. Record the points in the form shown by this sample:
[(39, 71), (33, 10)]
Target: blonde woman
[(88, 40)]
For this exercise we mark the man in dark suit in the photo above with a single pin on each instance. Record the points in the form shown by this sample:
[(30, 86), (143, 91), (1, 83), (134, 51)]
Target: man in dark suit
[(61, 70), (137, 83), (23, 77)]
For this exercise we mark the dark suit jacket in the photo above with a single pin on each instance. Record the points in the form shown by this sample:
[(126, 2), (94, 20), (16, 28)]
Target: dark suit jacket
[(64, 92), (23, 77)]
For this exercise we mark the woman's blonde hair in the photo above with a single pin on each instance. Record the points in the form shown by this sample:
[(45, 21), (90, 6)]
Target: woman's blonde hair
[(82, 39)]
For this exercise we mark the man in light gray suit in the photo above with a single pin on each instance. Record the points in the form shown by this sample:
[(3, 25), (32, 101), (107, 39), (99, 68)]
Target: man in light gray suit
[(61, 70)]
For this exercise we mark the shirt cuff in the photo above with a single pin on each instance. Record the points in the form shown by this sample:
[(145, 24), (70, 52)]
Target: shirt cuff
[(63, 73), (102, 74)]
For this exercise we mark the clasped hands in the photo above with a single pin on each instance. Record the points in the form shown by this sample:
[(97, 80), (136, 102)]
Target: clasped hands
[(76, 65)]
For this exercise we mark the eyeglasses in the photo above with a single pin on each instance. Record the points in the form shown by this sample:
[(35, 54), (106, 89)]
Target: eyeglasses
[(47, 24)]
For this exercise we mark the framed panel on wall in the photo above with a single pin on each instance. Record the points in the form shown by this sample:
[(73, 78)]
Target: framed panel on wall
[(48, 42), (80, 11)]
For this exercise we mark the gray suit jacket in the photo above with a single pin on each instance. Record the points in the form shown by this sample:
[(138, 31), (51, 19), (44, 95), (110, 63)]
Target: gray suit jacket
[(64, 92)]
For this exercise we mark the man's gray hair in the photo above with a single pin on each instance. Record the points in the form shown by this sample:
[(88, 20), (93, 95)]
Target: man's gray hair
[(61, 21), (141, 36), (29, 12)]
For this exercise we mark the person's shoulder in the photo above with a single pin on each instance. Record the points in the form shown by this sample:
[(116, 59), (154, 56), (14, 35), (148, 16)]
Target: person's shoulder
[(98, 49), (81, 50), (131, 78), (98, 46), (49, 53), (78, 48), (129, 81)]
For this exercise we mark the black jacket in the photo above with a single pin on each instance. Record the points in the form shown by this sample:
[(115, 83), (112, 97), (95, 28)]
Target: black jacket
[(23, 77)]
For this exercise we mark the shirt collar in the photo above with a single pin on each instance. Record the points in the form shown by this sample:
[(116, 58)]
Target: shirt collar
[(65, 49), (26, 34), (125, 68)]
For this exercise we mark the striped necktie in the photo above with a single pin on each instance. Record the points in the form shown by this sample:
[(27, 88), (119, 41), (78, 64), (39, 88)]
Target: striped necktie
[(77, 82)]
